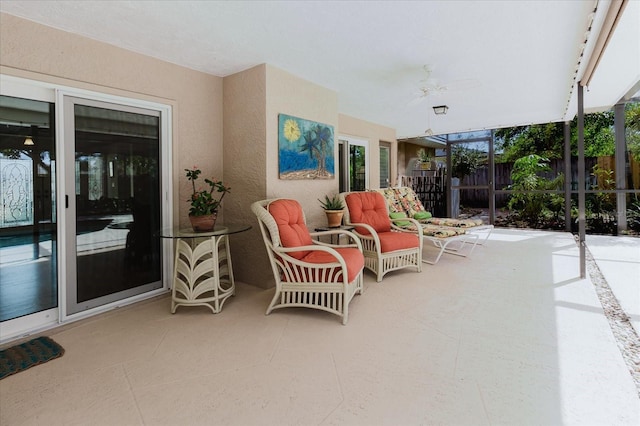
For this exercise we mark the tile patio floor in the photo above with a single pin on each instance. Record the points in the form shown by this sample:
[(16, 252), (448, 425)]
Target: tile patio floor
[(509, 336)]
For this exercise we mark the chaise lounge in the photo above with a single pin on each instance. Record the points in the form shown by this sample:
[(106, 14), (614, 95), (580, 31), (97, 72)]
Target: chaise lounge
[(449, 235)]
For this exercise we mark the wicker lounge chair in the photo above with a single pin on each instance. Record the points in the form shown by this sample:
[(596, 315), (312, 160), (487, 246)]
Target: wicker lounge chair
[(308, 273), (385, 248)]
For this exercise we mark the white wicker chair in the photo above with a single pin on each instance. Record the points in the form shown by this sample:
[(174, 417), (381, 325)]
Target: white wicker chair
[(376, 258), (314, 275)]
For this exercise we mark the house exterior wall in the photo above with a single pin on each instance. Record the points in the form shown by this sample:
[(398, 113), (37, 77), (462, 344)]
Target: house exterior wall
[(228, 127), (37, 52)]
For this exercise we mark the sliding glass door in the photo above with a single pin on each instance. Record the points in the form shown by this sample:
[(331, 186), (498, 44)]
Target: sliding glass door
[(353, 162), (113, 191), (83, 197), (28, 228)]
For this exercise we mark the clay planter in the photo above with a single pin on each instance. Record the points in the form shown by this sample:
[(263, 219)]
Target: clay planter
[(203, 223), (334, 218)]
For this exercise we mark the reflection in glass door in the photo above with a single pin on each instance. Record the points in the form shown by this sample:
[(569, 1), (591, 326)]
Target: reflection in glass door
[(470, 155), (113, 185), (353, 163), (28, 283)]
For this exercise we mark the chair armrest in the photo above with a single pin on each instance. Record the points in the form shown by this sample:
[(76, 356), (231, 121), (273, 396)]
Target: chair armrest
[(372, 232), (286, 260), (355, 241)]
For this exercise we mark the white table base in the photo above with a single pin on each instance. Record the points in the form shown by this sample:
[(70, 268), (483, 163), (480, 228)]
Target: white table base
[(202, 275)]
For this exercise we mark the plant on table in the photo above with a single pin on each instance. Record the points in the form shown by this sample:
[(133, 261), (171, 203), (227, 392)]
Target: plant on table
[(205, 202), (333, 208), (333, 203)]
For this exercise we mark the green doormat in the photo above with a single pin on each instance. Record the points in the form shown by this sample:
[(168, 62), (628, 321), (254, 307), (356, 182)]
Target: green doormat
[(28, 354)]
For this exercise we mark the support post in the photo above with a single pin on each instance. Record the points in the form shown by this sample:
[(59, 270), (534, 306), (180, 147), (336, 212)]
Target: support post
[(581, 184), (621, 164), (567, 176), (492, 180)]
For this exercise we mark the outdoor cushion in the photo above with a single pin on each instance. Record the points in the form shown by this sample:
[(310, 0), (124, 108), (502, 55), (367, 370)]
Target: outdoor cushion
[(458, 223), (422, 215), (399, 215), (290, 220), (392, 241), (369, 208), (393, 202), (352, 257)]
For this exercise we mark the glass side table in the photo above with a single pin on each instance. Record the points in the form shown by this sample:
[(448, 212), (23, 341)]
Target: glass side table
[(202, 270), (335, 228)]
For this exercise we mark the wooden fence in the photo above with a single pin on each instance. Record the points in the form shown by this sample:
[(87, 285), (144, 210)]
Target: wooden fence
[(432, 189)]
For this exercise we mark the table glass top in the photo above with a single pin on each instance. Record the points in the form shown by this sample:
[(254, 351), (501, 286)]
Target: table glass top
[(176, 232)]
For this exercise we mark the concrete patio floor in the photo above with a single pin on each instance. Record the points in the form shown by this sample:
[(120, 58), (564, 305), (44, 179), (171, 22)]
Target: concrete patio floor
[(508, 336)]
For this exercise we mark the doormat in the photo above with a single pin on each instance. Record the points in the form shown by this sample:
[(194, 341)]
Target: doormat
[(28, 354)]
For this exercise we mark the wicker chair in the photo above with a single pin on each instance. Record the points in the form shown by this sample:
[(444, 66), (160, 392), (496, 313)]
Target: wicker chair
[(308, 273), (385, 249)]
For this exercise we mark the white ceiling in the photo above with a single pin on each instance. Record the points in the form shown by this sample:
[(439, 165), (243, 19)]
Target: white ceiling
[(506, 62)]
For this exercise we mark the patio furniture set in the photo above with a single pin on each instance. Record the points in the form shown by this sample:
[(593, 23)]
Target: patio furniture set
[(385, 231)]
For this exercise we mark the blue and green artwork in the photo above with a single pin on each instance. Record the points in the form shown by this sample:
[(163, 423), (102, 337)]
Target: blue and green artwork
[(305, 149)]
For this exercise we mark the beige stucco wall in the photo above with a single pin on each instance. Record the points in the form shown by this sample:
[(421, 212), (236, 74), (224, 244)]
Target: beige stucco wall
[(245, 150), (252, 101), (242, 108), (37, 52)]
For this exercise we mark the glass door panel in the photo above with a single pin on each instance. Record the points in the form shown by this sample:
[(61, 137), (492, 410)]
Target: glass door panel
[(385, 166), (471, 156), (116, 193), (28, 230)]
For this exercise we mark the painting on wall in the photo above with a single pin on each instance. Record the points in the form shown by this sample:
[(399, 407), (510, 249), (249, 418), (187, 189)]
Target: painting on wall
[(305, 149)]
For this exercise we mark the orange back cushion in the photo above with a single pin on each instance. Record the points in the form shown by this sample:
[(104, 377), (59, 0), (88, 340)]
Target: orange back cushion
[(290, 220), (369, 208)]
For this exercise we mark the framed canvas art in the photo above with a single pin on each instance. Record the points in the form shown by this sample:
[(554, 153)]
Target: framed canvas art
[(305, 149)]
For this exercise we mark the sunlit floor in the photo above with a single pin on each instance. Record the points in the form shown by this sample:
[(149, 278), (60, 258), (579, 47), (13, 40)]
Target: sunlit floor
[(510, 335)]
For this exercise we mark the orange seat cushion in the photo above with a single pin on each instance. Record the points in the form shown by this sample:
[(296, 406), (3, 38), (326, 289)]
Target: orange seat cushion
[(291, 226), (369, 208), (352, 257), (392, 241)]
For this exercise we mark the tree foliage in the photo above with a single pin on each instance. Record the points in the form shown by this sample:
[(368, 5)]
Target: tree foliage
[(547, 139), (465, 161)]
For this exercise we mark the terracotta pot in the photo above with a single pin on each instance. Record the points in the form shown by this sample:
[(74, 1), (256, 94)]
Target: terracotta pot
[(334, 218), (203, 223)]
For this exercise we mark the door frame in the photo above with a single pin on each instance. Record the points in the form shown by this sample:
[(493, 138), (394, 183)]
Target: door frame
[(54, 93), (346, 142), (67, 210)]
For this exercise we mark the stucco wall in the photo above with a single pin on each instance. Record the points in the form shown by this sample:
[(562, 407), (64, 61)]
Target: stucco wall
[(37, 52), (252, 101), (291, 95), (245, 150), (245, 105)]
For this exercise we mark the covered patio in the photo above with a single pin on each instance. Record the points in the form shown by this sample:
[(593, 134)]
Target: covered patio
[(510, 336)]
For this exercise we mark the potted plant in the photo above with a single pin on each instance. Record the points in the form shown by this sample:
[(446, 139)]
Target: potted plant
[(424, 159), (334, 209), (204, 203)]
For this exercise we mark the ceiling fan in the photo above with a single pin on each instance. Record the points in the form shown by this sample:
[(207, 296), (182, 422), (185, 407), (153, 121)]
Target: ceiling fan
[(430, 86)]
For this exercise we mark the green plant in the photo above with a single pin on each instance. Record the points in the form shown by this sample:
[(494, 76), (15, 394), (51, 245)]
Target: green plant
[(633, 216), (333, 203), (530, 205), (465, 161), (423, 155), (203, 201)]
